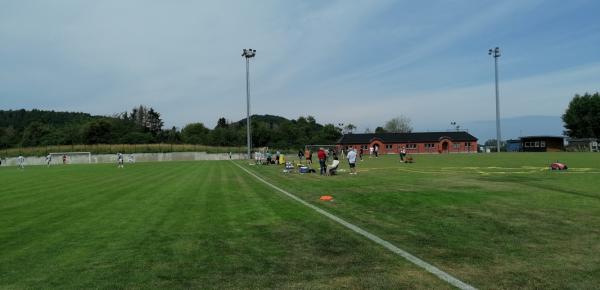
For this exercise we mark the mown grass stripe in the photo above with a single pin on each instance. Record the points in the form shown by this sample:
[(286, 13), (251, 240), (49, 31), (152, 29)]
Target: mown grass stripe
[(408, 256)]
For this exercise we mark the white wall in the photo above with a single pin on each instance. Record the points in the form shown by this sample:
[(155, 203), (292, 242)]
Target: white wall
[(138, 157)]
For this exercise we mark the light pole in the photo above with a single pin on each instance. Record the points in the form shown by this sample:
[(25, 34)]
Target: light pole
[(248, 53), (455, 125), (496, 54)]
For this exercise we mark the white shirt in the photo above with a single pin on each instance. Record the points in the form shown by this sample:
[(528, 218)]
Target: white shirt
[(351, 156), (335, 163)]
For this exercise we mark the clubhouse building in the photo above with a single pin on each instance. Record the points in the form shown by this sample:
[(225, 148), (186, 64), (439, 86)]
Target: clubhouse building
[(420, 142)]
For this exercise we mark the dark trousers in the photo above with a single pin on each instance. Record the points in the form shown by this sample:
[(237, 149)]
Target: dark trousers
[(323, 166)]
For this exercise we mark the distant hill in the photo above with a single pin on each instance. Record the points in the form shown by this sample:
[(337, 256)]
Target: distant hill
[(512, 128), (20, 119), (274, 121), (29, 128), (23, 128)]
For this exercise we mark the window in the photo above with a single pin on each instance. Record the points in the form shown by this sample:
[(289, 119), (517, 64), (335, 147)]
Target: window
[(543, 144), (456, 146), (467, 144), (365, 147), (411, 146), (537, 144), (429, 145), (388, 146)]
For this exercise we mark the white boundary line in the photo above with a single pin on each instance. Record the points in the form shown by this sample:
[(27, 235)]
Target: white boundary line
[(406, 255)]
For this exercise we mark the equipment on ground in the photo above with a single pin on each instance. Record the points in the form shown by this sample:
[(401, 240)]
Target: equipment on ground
[(558, 166), (326, 198)]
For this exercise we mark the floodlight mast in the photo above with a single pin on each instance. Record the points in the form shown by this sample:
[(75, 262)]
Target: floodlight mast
[(496, 54), (248, 54)]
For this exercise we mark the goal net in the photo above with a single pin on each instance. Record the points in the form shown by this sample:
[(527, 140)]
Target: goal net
[(331, 150), (71, 157)]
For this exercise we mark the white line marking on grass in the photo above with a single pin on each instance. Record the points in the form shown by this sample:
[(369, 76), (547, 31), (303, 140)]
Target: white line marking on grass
[(406, 255)]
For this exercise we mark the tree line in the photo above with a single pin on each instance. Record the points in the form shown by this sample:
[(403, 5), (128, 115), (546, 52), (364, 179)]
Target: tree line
[(144, 125), (582, 117)]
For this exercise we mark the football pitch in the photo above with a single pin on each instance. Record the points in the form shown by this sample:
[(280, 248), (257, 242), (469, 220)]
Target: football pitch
[(491, 220)]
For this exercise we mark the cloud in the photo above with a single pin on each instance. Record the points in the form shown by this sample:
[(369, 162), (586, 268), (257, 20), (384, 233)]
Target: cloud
[(361, 62)]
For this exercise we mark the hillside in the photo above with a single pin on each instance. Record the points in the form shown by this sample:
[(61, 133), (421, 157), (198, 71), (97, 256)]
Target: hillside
[(23, 128), (20, 119)]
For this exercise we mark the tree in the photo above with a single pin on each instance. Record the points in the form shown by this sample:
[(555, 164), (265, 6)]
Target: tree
[(154, 123), (98, 132), (329, 133), (222, 123), (349, 128), (8, 137), (146, 118), (139, 116), (136, 138), (35, 133), (400, 124), (195, 133), (380, 130), (582, 117)]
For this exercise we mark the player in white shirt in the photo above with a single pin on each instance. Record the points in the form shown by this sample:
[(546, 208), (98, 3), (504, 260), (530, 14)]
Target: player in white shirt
[(48, 159), (119, 160), (352, 160), (21, 161)]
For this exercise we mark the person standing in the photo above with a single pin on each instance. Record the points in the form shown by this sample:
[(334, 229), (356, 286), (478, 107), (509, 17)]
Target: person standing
[(64, 159), (360, 153), (402, 154), (352, 160), (119, 160), (322, 160), (376, 151), (21, 162), (370, 151), (300, 155), (308, 156), (48, 159)]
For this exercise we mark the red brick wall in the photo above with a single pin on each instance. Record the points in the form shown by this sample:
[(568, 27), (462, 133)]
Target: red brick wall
[(420, 147)]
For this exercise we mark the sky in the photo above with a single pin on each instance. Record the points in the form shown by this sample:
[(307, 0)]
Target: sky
[(359, 62)]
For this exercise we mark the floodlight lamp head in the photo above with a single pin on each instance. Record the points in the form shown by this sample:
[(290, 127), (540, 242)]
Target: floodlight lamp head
[(248, 53)]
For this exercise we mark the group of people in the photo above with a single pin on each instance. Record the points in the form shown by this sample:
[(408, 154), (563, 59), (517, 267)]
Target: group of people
[(121, 159), (322, 155), (267, 158)]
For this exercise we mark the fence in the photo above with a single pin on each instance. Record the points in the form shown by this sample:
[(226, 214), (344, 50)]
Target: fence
[(115, 148)]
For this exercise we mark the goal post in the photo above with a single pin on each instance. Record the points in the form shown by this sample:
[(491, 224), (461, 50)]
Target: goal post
[(315, 148), (330, 148), (72, 157)]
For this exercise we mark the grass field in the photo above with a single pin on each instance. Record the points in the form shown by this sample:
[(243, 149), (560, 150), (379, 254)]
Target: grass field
[(493, 221)]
